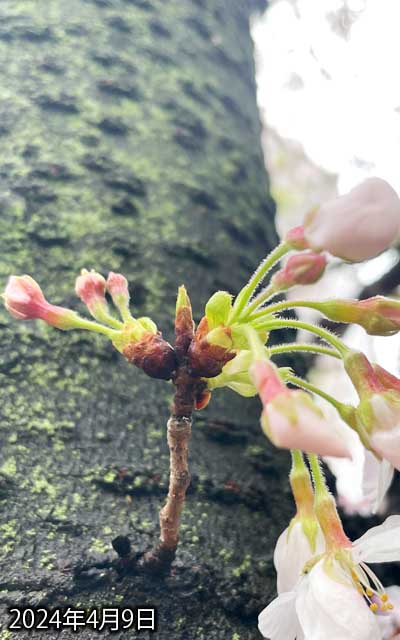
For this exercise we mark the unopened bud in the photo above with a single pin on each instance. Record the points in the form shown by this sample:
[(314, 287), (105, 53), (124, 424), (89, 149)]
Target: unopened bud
[(379, 316), (295, 238), (117, 287), (90, 288), (358, 225), (184, 325), (361, 373), (302, 268), (24, 299)]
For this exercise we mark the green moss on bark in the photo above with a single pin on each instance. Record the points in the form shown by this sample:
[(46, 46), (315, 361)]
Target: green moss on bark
[(130, 142)]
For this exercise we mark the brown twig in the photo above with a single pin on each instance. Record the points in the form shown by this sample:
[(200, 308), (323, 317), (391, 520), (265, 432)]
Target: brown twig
[(179, 431), (179, 428)]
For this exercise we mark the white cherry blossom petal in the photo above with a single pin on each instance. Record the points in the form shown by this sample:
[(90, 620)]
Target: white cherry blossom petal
[(330, 608), (379, 544), (279, 620), (292, 551)]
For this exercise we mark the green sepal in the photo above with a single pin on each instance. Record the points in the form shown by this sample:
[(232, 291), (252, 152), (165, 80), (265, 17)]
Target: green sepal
[(218, 309)]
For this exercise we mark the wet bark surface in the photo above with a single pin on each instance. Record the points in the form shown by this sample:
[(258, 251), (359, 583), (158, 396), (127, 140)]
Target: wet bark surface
[(130, 142)]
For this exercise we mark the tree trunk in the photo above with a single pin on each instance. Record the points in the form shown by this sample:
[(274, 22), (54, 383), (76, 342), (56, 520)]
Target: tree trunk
[(130, 142)]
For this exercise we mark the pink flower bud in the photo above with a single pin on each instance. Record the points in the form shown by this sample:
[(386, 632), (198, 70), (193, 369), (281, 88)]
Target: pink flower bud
[(267, 380), (295, 238), (379, 316), (302, 268), (90, 287), (378, 413), (366, 377), (387, 380), (291, 419), (24, 299), (359, 224), (117, 287)]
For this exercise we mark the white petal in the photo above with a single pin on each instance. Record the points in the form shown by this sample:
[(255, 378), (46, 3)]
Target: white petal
[(279, 620), (349, 477), (292, 551), (332, 610), (386, 472), (361, 482), (379, 544), (387, 444)]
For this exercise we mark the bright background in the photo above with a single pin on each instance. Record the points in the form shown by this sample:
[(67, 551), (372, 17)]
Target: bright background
[(329, 95)]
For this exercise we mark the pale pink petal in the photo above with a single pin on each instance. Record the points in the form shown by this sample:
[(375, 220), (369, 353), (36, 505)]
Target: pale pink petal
[(309, 432), (359, 224), (387, 444)]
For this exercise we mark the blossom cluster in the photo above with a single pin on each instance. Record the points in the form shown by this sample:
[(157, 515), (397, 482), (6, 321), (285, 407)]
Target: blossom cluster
[(326, 591)]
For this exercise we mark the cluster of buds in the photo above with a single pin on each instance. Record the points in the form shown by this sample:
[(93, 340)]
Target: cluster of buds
[(137, 339), (320, 572)]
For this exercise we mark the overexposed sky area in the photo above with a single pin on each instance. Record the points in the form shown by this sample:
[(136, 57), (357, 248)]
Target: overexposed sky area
[(328, 76)]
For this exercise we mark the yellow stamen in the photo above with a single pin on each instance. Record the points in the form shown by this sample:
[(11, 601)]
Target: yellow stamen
[(374, 607)]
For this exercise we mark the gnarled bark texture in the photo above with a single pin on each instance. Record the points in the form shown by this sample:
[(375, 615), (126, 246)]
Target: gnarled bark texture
[(130, 142)]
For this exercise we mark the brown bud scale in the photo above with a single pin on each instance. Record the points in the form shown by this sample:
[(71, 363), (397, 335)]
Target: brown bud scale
[(153, 354)]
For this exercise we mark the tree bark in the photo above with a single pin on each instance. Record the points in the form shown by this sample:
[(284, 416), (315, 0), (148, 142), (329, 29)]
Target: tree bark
[(130, 142)]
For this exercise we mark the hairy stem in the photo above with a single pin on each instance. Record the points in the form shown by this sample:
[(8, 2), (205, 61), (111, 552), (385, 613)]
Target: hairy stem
[(287, 323), (291, 304), (258, 276), (298, 346), (260, 299)]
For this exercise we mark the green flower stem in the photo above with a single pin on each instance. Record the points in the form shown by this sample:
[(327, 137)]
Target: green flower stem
[(326, 335), (291, 304), (256, 345), (262, 297), (103, 316), (89, 325), (260, 273), (125, 313), (318, 476), (304, 384), (298, 464), (297, 346)]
